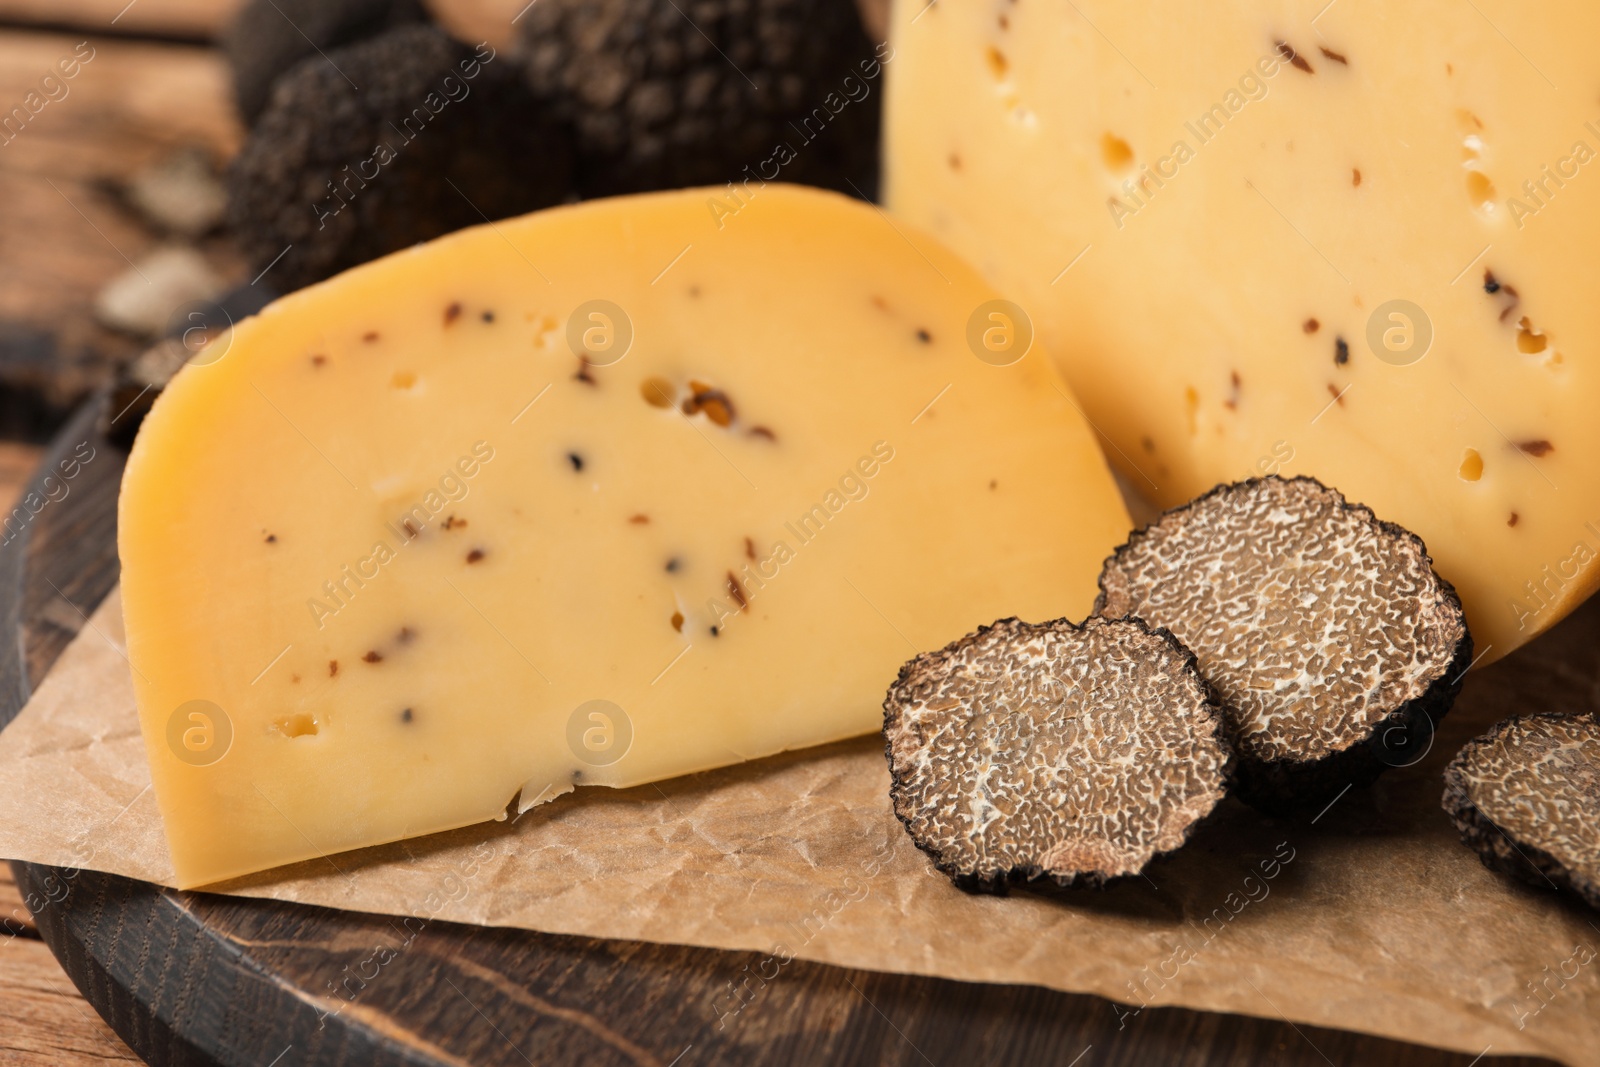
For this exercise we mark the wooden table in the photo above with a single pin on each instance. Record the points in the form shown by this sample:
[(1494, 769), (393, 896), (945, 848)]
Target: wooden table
[(44, 1022), (43, 1018), (62, 237)]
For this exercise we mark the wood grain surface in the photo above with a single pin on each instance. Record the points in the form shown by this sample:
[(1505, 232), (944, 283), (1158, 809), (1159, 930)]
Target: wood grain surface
[(200, 20), (46, 1020), (65, 228)]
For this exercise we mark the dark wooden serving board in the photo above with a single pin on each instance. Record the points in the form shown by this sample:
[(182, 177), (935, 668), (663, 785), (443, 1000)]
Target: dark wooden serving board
[(195, 978)]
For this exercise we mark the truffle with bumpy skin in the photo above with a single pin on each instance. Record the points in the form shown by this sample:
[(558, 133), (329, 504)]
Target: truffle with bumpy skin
[(1333, 645), (440, 136), (1525, 796), (267, 37), (664, 95), (1053, 752)]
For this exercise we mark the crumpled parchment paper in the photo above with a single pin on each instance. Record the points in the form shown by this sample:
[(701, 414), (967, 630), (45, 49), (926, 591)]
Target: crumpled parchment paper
[(1373, 917)]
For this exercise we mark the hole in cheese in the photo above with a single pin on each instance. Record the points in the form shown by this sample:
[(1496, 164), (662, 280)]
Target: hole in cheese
[(1115, 151), (657, 392), (403, 379), (544, 333), (299, 725), (997, 62), (1480, 190), (1529, 340), (1471, 465)]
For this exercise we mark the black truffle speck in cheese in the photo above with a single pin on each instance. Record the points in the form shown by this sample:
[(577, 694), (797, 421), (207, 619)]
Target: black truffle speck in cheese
[(1333, 645), (1067, 754)]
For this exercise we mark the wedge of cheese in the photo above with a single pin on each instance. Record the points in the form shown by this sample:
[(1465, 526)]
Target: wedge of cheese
[(1356, 240), (601, 495)]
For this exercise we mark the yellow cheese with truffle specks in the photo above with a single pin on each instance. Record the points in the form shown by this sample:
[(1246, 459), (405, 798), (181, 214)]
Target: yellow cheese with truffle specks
[(1355, 240), (601, 495)]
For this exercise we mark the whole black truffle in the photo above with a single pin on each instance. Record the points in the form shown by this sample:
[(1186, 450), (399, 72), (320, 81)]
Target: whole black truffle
[(1333, 644), (1063, 753), (439, 136), (1524, 796), (665, 94), (267, 37)]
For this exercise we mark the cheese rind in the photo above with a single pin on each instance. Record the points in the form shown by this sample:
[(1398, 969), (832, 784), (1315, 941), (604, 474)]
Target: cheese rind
[(419, 554), (1355, 241)]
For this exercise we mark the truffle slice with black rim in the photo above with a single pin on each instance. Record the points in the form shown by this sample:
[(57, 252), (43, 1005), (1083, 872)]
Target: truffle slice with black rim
[(1525, 797), (1333, 645), (1075, 754)]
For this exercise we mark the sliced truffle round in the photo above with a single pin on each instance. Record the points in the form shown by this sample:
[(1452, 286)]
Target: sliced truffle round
[(1526, 798), (267, 37), (1333, 645), (664, 95), (438, 137), (1070, 753)]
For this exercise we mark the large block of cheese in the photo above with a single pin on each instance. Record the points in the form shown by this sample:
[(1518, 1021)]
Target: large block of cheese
[(597, 496), (1357, 240)]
